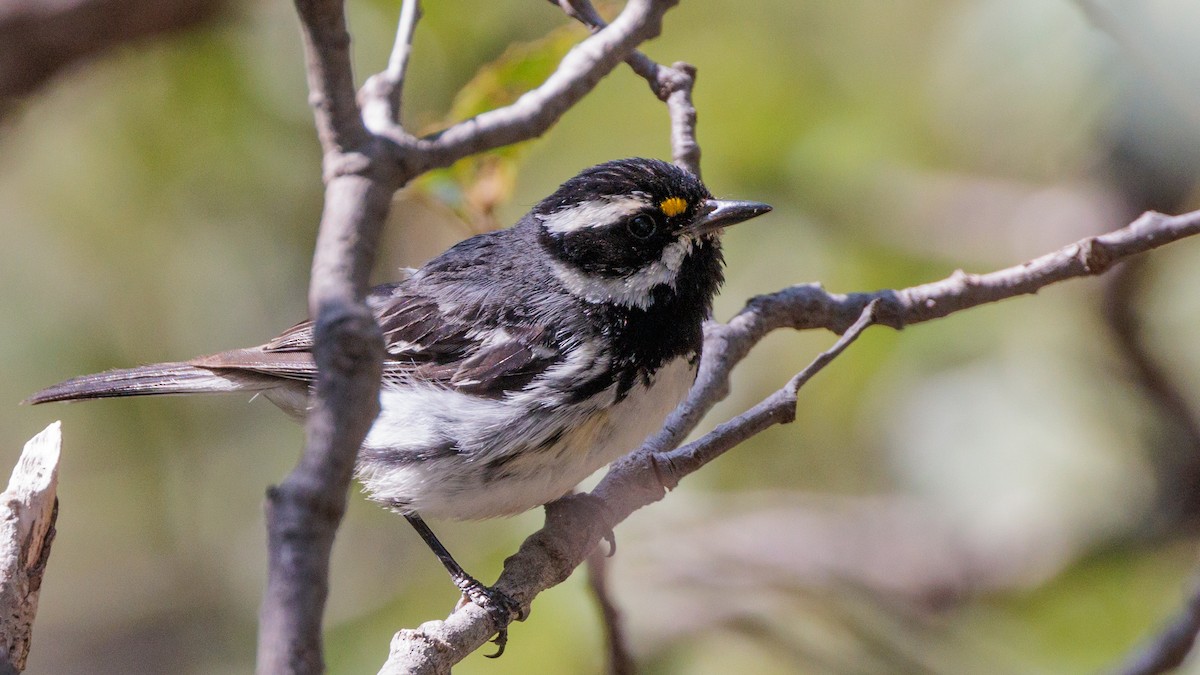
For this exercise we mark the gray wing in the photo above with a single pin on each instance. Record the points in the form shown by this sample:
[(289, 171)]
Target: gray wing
[(455, 348), (476, 344)]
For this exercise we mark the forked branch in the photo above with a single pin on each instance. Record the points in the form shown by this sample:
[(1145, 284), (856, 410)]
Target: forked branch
[(367, 157), (575, 526), (671, 84)]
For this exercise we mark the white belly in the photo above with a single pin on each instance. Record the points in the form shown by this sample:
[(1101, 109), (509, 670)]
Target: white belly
[(448, 455)]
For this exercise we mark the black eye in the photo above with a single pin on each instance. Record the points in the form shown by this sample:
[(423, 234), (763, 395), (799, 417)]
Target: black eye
[(641, 226)]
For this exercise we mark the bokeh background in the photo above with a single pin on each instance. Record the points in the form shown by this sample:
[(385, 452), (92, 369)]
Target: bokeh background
[(1002, 491)]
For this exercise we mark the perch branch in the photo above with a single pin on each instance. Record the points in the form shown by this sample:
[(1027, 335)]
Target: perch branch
[(549, 556), (574, 526)]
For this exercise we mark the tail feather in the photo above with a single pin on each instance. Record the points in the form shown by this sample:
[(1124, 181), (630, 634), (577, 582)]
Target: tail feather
[(153, 380)]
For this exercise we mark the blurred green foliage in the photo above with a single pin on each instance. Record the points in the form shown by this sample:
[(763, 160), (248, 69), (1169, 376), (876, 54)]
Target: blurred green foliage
[(476, 186), (161, 202)]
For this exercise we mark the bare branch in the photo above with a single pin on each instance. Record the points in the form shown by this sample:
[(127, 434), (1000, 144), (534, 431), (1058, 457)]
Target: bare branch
[(671, 85), (397, 67), (810, 306), (1087, 257), (39, 38), (382, 93), (330, 80), (584, 12), (304, 511), (778, 408), (28, 510), (677, 82), (536, 111), (620, 661)]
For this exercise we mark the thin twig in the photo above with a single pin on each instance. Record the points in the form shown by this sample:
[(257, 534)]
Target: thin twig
[(673, 85), (584, 12), (382, 94), (677, 81), (397, 67), (620, 660), (549, 556), (537, 110), (778, 408)]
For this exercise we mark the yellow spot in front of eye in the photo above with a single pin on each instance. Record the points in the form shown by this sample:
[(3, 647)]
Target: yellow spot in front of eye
[(673, 206)]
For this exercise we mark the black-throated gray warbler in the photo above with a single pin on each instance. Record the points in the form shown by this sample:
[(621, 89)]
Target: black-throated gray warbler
[(518, 361)]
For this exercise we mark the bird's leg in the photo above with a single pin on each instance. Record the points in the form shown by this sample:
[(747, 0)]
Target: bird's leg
[(503, 609)]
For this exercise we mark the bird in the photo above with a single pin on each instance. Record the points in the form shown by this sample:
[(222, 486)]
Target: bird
[(518, 362)]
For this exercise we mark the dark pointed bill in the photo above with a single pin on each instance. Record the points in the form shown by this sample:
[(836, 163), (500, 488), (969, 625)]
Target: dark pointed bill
[(718, 213)]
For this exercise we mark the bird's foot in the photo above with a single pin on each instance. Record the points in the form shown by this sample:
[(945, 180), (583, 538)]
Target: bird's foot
[(499, 605)]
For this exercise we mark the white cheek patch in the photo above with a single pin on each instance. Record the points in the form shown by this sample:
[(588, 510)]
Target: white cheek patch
[(596, 213), (633, 290)]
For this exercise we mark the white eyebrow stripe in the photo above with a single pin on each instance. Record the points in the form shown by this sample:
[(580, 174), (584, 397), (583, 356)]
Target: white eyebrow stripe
[(595, 213)]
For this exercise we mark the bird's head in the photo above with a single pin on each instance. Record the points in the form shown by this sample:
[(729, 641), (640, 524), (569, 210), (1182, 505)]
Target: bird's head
[(622, 231)]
